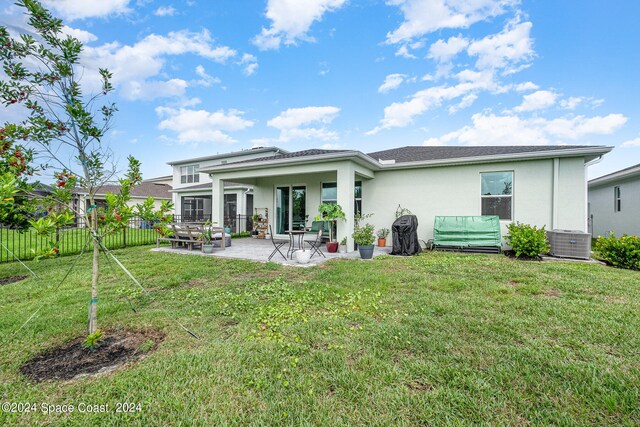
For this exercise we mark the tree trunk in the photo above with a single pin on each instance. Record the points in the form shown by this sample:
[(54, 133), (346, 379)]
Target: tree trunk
[(93, 305)]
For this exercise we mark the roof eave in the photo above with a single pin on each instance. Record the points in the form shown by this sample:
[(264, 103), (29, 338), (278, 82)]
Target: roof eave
[(616, 176), (588, 153), (228, 155), (343, 155)]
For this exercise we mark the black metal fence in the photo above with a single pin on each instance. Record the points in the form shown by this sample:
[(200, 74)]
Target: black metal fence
[(28, 244)]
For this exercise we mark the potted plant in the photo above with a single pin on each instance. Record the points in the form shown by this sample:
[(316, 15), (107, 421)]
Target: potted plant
[(330, 212), (343, 246), (382, 236), (207, 239), (364, 237)]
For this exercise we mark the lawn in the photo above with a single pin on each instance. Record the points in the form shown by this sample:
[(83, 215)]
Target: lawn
[(437, 339)]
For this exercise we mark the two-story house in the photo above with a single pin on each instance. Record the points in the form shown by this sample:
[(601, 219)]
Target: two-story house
[(192, 190)]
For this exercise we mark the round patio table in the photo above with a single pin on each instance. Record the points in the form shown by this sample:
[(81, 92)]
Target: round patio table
[(293, 236)]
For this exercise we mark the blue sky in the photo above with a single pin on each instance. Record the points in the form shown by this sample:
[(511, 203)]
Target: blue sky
[(196, 78)]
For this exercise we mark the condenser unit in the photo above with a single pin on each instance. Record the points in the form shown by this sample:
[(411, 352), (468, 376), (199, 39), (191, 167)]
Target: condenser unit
[(569, 244)]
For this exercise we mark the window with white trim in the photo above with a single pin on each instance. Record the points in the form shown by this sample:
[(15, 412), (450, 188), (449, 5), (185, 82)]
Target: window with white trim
[(189, 174), (617, 199), (497, 194)]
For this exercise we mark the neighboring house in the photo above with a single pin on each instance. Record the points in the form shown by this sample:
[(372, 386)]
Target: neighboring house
[(154, 187), (614, 203), (192, 191), (539, 185)]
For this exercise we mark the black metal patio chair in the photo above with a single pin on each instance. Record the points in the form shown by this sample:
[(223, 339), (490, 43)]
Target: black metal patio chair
[(277, 244), (315, 244)]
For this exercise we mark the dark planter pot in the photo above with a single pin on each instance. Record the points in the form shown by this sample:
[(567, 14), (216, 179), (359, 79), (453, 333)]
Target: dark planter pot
[(332, 247), (366, 252)]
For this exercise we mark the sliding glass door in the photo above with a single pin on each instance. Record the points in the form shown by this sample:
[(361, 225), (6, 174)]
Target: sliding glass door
[(291, 208)]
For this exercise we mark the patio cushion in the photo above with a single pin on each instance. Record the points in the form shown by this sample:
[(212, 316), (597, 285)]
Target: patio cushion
[(216, 240)]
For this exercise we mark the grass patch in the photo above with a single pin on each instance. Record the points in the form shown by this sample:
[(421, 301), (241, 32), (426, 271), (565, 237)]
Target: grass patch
[(441, 338)]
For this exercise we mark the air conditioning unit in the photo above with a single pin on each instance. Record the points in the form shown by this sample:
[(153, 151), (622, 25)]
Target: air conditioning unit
[(569, 244)]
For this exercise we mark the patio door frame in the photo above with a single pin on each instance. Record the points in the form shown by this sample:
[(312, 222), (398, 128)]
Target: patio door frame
[(290, 213)]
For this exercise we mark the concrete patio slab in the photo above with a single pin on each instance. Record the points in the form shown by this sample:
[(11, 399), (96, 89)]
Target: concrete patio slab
[(260, 249)]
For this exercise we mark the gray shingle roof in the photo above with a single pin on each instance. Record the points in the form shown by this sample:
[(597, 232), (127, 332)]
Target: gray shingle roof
[(292, 155), (145, 189), (423, 153)]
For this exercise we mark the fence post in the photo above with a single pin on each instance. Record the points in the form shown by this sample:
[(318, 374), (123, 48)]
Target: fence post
[(124, 237)]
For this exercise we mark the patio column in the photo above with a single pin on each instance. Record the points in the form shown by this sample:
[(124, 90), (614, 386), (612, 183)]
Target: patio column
[(217, 201), (346, 187)]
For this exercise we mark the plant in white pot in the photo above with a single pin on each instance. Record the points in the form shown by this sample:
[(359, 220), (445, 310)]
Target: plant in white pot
[(364, 237), (343, 246), (330, 212), (207, 238)]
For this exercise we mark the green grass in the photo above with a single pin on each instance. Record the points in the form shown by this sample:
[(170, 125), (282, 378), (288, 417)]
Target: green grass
[(437, 339)]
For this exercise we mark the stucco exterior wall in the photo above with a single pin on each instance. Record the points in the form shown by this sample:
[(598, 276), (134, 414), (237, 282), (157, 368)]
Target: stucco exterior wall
[(445, 190), (455, 190), (605, 219)]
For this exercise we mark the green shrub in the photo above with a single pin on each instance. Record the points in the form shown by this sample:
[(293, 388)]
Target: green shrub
[(364, 235), (623, 252), (526, 240)]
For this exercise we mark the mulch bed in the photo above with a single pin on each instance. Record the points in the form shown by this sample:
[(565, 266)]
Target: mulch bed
[(11, 279), (72, 359)]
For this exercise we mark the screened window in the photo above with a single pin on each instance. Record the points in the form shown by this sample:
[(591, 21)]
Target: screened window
[(617, 199), (196, 208), (329, 194), (189, 174), (497, 194)]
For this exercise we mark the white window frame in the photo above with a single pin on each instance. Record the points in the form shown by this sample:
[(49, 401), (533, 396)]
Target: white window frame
[(190, 174), (355, 199), (513, 186)]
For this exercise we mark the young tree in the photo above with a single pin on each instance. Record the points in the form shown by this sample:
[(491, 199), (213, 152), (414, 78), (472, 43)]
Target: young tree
[(62, 125)]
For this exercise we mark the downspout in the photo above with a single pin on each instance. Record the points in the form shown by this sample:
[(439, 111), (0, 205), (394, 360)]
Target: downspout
[(556, 195), (586, 193)]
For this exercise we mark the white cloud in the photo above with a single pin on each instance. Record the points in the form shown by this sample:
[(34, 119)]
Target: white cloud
[(426, 16), (466, 102), (631, 143), (538, 100), (80, 9), (332, 146), (490, 129), (206, 79), (165, 11), (444, 51), (291, 20), (133, 65), (526, 87), (149, 90), (509, 50), (82, 35), (294, 123), (392, 81), (250, 63), (401, 114), (403, 51), (201, 126)]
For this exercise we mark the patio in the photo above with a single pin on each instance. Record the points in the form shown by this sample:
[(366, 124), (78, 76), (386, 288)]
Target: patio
[(260, 249)]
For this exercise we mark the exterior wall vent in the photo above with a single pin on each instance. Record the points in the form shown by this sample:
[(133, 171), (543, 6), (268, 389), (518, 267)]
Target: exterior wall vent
[(569, 244)]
